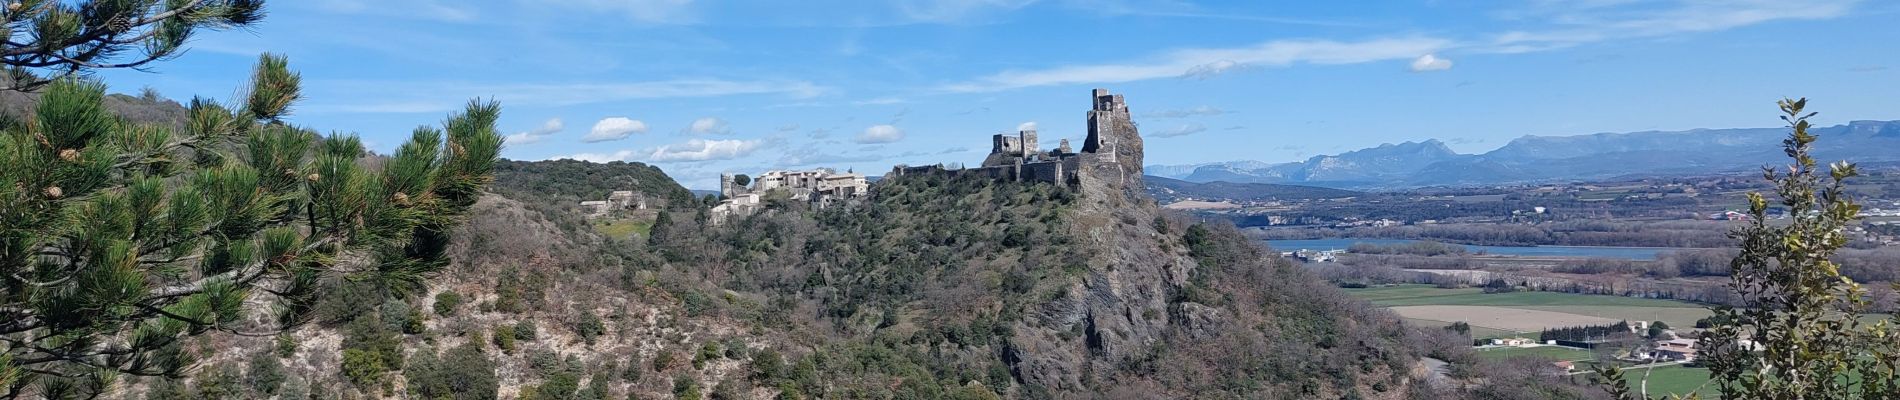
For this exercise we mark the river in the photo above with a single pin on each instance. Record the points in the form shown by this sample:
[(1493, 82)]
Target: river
[(1626, 253)]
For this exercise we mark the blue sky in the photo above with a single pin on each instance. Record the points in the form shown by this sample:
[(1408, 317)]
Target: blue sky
[(702, 87)]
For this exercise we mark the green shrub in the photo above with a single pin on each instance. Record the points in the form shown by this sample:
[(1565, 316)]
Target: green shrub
[(464, 373), (559, 386), (728, 390), (589, 327), (369, 350), (767, 366), (663, 360), (286, 346), (505, 339), (413, 323), (707, 352), (217, 383), (686, 388), (526, 331), (265, 374), (446, 302), (362, 367), (546, 363), (635, 370)]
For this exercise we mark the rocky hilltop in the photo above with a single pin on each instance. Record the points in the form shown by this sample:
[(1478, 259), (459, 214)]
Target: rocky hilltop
[(1046, 275)]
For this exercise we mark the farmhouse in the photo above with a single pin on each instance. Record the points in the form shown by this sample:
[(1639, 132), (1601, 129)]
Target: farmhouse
[(1512, 342), (1675, 349), (618, 200)]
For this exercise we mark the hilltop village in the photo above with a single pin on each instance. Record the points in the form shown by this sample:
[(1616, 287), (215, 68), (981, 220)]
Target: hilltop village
[(1110, 152)]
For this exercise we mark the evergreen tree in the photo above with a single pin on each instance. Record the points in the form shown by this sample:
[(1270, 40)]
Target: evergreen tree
[(1796, 335), (64, 38), (117, 241)]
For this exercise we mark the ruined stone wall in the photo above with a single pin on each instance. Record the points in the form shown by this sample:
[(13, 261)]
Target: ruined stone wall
[(1052, 172), (1006, 144)]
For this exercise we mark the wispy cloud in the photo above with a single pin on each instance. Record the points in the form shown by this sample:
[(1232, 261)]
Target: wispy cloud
[(1183, 130), (423, 9), (1204, 62), (878, 101), (614, 128), (704, 150), (1582, 22), (1430, 62), (1200, 111), (674, 12), (433, 97), (942, 11), (695, 150), (880, 134), (708, 126), (549, 128), (1565, 24)]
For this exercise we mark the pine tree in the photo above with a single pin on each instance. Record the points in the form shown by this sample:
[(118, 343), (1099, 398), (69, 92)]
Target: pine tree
[(60, 38), (1796, 334), (117, 240)]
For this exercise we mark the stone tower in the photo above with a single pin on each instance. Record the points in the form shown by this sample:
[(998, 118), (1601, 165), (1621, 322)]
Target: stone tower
[(1108, 124), (1112, 134), (1030, 147), (728, 185)]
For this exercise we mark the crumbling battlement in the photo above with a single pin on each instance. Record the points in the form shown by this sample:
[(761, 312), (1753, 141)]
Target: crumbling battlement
[(1112, 151)]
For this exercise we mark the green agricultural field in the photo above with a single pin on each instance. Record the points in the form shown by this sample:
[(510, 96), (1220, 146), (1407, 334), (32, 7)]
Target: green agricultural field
[(1557, 353), (1677, 317), (1477, 332), (1425, 295), (1672, 379), (622, 228)]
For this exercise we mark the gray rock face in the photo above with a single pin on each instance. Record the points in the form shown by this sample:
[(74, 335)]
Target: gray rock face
[(1118, 310)]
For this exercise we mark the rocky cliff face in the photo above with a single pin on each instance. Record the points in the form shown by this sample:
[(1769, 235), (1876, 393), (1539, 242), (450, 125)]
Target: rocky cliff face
[(1151, 296)]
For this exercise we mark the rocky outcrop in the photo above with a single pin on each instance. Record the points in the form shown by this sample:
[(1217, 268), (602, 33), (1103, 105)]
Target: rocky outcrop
[(1119, 309)]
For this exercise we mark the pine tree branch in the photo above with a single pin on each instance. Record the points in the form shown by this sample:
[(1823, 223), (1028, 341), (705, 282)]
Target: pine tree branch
[(96, 34)]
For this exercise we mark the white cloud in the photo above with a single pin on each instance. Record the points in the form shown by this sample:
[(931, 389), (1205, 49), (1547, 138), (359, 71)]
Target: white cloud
[(1026, 126), (1183, 130), (690, 151), (788, 127), (703, 150), (622, 155), (1200, 111), (879, 101), (1430, 62), (1209, 62), (880, 134), (551, 127), (709, 125), (614, 128)]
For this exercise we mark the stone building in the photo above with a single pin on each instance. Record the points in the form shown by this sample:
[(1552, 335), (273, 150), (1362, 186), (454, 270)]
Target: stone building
[(822, 187), (617, 200), (1106, 153)]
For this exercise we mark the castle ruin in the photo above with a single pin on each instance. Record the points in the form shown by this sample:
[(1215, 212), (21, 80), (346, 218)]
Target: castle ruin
[(1112, 146)]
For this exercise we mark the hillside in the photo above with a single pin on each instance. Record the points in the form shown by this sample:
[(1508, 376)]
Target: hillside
[(571, 180)]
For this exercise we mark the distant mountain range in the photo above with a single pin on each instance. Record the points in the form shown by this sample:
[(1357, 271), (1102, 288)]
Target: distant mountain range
[(1553, 158), (1168, 190)]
